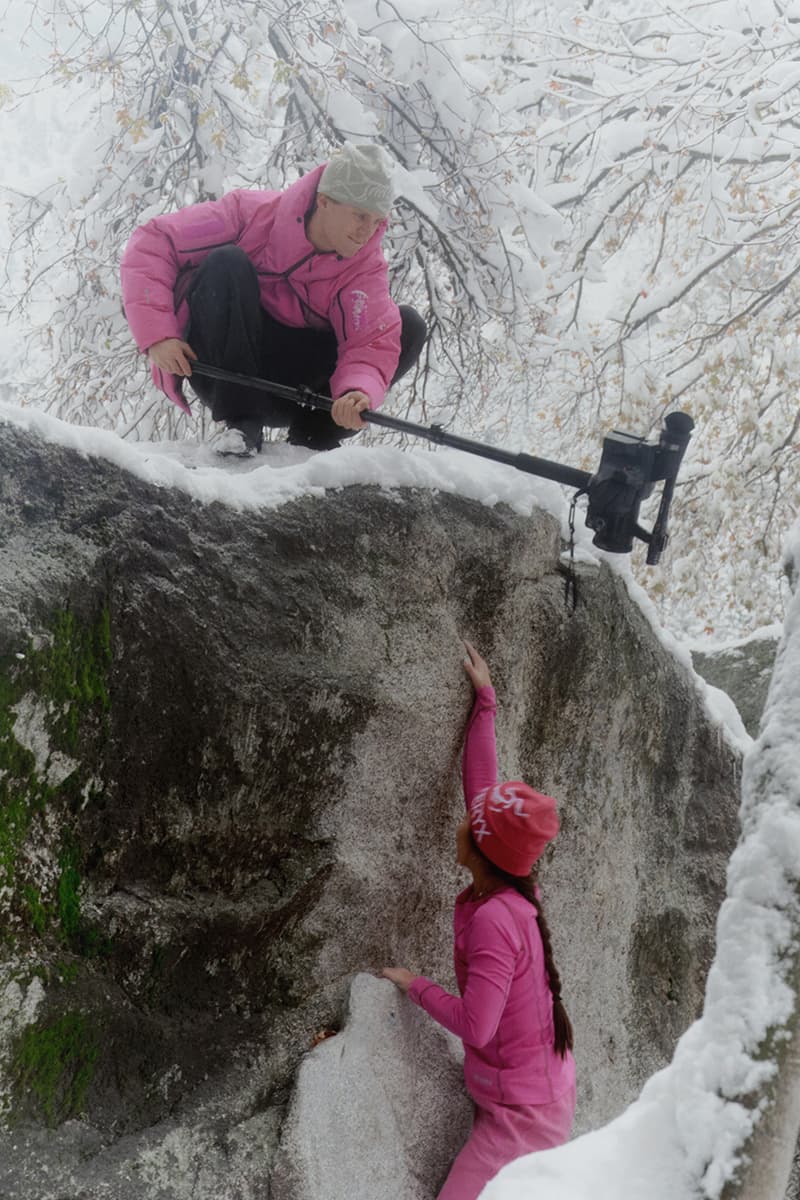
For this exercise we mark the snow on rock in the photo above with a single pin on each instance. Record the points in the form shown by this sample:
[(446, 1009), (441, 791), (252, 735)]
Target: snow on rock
[(720, 708), (379, 1110), (19, 1002), (741, 668), (30, 730), (283, 473)]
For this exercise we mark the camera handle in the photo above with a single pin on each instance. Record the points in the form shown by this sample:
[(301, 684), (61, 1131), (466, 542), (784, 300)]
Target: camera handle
[(674, 440)]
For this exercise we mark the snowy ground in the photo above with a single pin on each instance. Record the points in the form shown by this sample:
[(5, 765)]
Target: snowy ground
[(685, 1134)]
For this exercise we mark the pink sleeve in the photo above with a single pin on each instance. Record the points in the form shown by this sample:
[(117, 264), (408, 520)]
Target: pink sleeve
[(367, 325), (156, 252), (479, 760), (491, 957)]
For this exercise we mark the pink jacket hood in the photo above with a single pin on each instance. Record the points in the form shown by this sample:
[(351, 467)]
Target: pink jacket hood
[(299, 285)]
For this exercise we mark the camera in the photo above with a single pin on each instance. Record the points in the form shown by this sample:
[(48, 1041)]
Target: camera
[(629, 469)]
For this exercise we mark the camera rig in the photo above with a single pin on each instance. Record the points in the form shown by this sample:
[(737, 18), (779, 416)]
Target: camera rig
[(629, 467)]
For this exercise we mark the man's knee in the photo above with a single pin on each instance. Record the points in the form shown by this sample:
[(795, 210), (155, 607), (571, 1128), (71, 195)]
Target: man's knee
[(413, 333), (230, 262), (226, 281), (412, 338)]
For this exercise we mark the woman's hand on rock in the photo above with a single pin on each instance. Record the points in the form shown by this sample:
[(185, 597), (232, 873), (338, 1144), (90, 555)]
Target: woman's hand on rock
[(476, 667), (401, 977)]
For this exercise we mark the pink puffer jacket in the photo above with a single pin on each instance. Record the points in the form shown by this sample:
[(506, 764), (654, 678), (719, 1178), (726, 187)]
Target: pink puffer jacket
[(300, 286), (504, 1014)]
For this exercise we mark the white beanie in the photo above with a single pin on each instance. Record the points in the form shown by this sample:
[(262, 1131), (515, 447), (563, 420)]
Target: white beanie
[(361, 176)]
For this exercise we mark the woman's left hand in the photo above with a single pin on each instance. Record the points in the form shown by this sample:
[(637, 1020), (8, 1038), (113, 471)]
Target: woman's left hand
[(400, 976), (476, 667)]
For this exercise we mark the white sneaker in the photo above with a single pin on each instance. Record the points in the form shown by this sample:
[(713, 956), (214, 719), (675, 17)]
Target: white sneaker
[(233, 443)]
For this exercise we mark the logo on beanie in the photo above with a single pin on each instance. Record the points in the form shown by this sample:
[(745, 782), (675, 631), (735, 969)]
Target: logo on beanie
[(506, 797), (477, 821), (477, 817), (500, 799), (517, 821)]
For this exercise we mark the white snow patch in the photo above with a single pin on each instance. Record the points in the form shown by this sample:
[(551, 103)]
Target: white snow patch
[(19, 1005), (284, 473), (30, 730)]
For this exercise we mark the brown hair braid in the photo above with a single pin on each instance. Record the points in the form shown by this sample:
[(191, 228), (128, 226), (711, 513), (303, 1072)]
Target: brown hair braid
[(526, 886)]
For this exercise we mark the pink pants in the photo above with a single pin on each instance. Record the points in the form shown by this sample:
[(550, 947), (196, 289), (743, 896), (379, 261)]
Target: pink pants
[(501, 1133)]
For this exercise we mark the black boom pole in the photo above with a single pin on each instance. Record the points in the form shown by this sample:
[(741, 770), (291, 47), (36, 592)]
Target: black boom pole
[(433, 433), (628, 469)]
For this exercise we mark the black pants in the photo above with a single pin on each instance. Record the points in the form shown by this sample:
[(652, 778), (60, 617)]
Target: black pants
[(229, 328)]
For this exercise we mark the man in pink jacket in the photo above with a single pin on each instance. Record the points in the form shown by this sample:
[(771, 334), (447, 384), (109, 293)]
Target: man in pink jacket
[(289, 286), (518, 1065)]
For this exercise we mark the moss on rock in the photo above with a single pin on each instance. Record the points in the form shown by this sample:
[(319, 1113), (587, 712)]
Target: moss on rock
[(65, 683), (71, 673), (52, 1066)]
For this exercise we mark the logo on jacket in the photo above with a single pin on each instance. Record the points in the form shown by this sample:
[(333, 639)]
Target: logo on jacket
[(359, 306)]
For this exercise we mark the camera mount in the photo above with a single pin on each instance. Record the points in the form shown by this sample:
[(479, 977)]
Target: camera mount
[(629, 467)]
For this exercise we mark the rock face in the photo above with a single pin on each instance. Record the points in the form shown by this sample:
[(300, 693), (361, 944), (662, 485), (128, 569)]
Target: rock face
[(229, 751), (743, 671)]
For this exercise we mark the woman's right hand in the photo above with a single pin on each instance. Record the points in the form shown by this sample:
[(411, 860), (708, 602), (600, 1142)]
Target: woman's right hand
[(476, 667), (172, 355), (401, 977)]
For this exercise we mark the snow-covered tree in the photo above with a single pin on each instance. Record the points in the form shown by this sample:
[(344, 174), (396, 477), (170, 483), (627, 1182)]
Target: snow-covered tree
[(190, 100), (673, 156), (167, 95)]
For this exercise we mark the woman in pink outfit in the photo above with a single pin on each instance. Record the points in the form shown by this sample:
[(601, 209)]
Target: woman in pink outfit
[(517, 1036)]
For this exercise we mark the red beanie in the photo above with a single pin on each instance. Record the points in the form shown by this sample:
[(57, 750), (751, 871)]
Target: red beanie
[(512, 824)]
